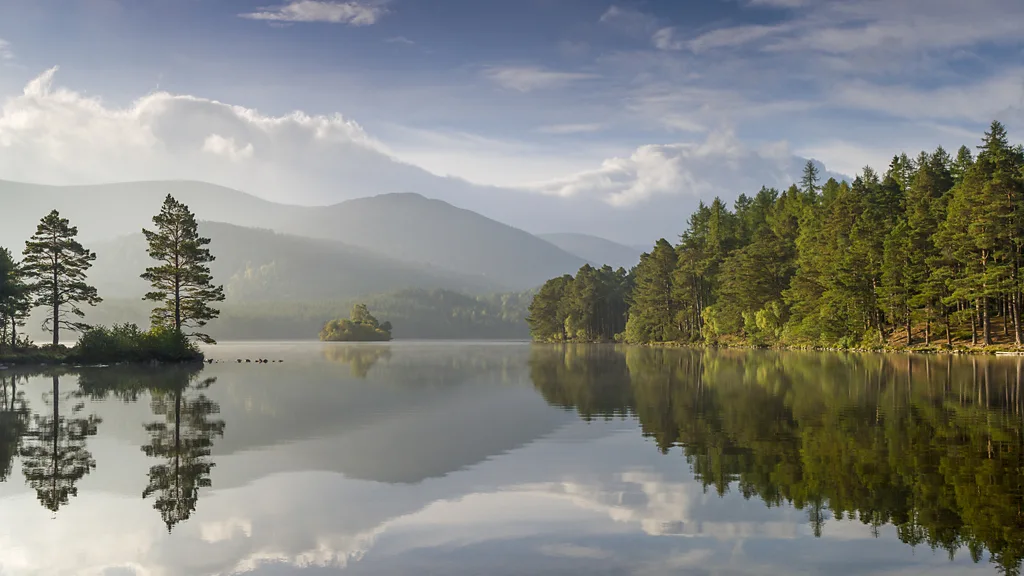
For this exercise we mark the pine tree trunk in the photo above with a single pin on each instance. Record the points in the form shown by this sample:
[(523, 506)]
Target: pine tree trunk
[(949, 337), (974, 329), (56, 311), (906, 326), (986, 321), (928, 332), (1006, 316), (1015, 312)]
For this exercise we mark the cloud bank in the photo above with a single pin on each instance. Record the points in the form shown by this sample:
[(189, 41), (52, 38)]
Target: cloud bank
[(53, 135)]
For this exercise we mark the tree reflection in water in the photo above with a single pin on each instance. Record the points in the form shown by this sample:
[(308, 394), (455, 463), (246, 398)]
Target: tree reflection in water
[(182, 436), (931, 445)]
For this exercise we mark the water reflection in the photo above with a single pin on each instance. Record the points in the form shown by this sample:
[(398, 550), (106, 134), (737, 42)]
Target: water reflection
[(932, 446), (183, 439), (14, 418), (359, 358), (54, 457), (463, 459)]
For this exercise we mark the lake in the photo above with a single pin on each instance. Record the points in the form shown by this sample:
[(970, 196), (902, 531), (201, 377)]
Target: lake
[(507, 458)]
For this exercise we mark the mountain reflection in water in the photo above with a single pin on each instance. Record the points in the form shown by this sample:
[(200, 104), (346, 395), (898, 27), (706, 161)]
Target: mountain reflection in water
[(515, 459)]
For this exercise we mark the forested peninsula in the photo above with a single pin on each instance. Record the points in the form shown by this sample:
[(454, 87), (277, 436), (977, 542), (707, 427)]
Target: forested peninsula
[(927, 254)]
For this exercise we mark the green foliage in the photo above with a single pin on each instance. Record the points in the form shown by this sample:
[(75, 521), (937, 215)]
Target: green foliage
[(933, 240), (127, 343), (181, 282), (54, 267), (361, 326), (590, 307)]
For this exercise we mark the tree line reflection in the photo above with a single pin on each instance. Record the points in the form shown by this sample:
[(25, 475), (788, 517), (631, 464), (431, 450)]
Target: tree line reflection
[(930, 445), (51, 439)]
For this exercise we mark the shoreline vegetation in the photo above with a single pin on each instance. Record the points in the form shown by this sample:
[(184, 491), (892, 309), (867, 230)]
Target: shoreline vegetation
[(926, 257), (52, 276)]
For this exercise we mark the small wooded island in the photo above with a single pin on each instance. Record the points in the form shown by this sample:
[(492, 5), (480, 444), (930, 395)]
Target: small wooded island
[(52, 275), (360, 327)]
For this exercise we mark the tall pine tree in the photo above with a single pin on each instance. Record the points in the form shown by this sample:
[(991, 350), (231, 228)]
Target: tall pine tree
[(181, 281), (55, 265)]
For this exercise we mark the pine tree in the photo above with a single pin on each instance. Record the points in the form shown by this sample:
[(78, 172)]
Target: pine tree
[(652, 314), (548, 310), (809, 181), (15, 302), (182, 281), (55, 265)]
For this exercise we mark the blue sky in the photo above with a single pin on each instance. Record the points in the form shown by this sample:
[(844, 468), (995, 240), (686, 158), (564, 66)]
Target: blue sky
[(573, 97)]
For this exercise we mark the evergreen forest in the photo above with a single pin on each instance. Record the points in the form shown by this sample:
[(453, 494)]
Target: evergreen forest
[(927, 253)]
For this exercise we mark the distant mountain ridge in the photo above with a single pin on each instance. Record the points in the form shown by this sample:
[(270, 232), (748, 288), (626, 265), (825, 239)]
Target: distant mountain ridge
[(401, 226), (597, 251), (262, 265)]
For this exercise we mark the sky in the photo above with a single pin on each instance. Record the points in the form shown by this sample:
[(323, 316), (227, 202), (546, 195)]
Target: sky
[(608, 117)]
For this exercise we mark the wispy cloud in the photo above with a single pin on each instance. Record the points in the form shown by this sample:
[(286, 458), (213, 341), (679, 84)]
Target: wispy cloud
[(529, 78), (399, 40), (570, 128), (629, 20), (977, 102), (5, 50), (781, 3), (352, 13)]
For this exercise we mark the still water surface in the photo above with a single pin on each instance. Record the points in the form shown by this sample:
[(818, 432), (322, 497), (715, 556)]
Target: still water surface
[(494, 459)]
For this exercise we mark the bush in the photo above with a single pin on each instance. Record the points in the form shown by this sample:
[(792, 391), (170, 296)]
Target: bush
[(127, 343)]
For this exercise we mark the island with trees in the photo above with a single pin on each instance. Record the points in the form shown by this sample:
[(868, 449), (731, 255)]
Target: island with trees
[(52, 275), (927, 254), (361, 326)]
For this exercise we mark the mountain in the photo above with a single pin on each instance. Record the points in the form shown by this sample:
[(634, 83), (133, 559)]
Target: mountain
[(262, 265), (402, 226), (414, 228), (597, 251)]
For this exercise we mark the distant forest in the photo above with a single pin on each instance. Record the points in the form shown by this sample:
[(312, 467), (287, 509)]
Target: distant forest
[(929, 251), (416, 313)]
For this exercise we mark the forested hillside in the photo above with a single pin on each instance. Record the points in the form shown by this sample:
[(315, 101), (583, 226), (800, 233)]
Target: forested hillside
[(928, 250)]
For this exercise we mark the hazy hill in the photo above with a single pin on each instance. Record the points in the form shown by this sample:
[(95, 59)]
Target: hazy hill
[(412, 227), (597, 251), (262, 265), (405, 227)]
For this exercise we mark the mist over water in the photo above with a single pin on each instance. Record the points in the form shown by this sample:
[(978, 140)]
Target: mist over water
[(502, 458)]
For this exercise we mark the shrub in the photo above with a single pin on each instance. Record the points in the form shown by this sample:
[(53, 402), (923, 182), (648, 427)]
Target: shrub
[(127, 343)]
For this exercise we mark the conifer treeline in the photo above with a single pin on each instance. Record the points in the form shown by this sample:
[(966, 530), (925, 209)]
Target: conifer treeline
[(930, 250)]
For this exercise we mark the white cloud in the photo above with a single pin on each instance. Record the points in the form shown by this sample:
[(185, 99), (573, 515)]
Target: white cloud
[(399, 40), (530, 78), (352, 13), (5, 50), (217, 144), (721, 165), (665, 39), (628, 20), (62, 137), (736, 36)]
